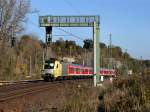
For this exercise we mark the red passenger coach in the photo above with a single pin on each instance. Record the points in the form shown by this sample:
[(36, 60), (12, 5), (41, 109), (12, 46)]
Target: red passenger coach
[(107, 72), (78, 70)]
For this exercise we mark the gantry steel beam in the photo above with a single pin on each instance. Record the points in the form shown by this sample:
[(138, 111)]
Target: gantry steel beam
[(68, 21)]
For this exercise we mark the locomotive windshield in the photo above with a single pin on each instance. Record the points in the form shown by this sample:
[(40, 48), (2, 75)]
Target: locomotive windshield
[(49, 64)]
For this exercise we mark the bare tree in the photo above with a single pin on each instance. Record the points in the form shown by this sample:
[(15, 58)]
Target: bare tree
[(12, 16)]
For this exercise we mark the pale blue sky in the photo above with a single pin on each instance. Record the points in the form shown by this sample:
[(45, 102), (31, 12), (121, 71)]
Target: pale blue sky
[(127, 20)]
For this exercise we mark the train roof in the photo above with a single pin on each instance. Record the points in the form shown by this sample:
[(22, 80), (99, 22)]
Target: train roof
[(50, 60)]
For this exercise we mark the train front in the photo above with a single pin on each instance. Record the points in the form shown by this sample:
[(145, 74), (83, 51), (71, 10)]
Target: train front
[(48, 70)]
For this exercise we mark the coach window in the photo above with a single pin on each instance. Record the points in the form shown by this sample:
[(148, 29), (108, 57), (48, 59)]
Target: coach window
[(78, 70), (75, 70), (71, 70), (86, 71)]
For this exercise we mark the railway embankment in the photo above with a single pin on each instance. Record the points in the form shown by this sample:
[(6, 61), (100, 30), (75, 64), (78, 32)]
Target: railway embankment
[(126, 93), (44, 96)]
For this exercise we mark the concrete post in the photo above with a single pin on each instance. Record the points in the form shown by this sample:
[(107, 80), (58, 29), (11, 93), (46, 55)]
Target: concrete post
[(96, 54)]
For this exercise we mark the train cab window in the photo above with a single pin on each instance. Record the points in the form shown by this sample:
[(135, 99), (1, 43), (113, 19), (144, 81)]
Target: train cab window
[(57, 66), (45, 66), (49, 66)]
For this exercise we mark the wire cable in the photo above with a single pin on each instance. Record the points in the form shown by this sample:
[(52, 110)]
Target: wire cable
[(72, 6), (71, 34)]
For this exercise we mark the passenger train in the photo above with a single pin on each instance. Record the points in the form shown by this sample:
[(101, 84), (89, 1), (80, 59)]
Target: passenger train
[(55, 69)]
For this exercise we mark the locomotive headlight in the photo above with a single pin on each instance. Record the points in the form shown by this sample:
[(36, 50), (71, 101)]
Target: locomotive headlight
[(51, 64)]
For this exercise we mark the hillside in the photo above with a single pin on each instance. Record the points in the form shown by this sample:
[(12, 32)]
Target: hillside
[(25, 59)]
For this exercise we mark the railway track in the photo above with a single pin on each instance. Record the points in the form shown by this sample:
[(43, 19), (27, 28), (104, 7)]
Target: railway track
[(13, 92), (14, 82), (21, 89)]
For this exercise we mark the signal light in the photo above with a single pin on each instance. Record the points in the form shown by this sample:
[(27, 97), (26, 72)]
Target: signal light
[(49, 40)]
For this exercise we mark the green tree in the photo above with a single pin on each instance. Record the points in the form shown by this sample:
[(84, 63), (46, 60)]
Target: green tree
[(88, 44)]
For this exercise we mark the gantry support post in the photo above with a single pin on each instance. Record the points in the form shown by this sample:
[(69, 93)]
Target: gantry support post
[(96, 54)]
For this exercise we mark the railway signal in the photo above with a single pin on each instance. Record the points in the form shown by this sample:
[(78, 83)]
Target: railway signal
[(48, 35)]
